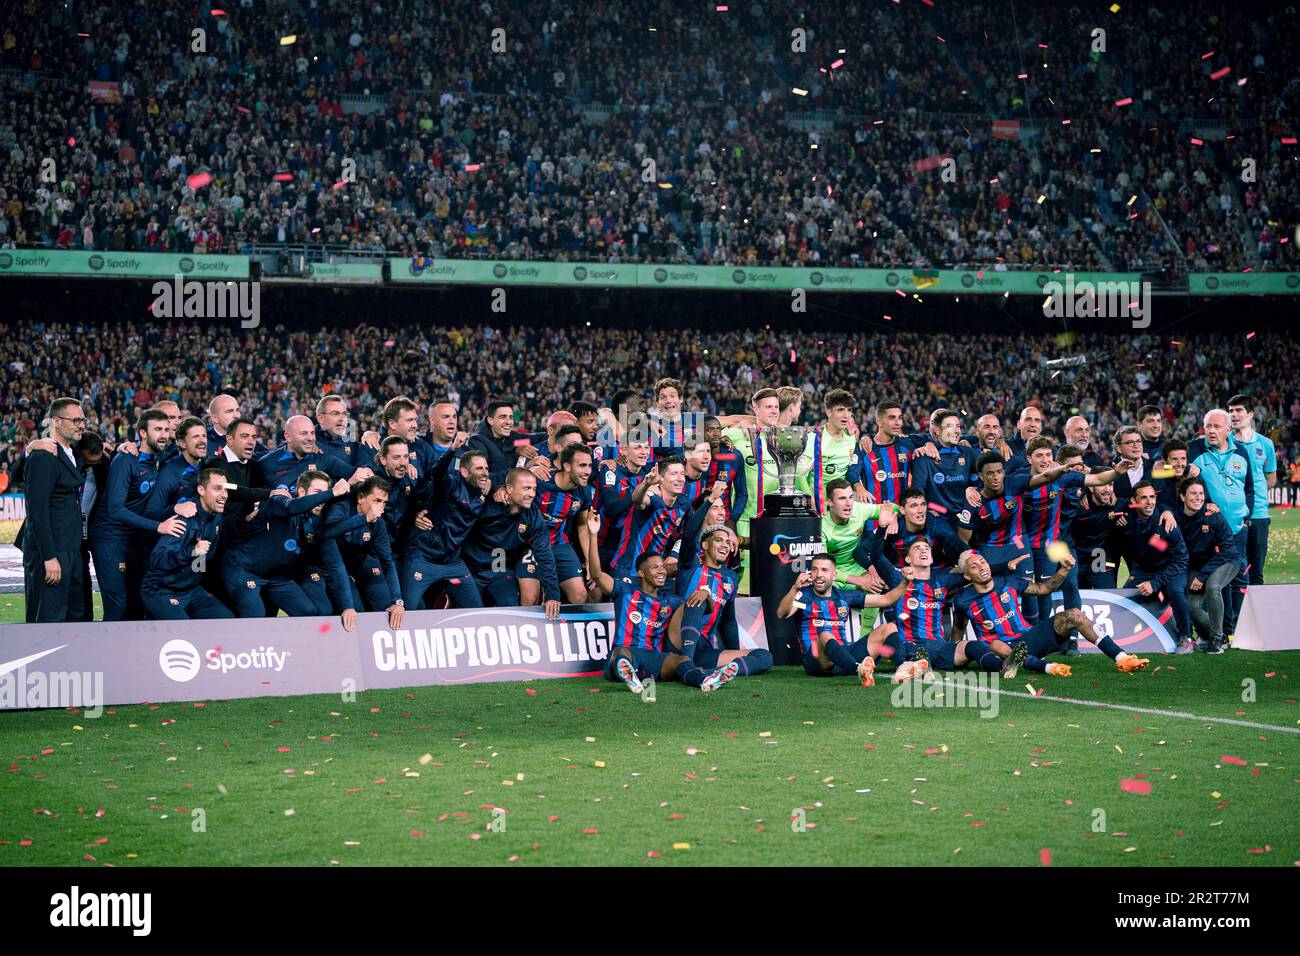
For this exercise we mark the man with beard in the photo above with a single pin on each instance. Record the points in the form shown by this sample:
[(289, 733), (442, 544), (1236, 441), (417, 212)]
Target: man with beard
[(560, 500), (281, 466), (456, 493), (510, 533), (172, 586)]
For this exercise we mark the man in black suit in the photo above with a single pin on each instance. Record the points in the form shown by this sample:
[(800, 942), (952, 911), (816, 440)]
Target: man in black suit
[(50, 538)]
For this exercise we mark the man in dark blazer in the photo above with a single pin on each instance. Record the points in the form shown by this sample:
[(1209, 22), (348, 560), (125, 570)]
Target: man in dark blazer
[(50, 538)]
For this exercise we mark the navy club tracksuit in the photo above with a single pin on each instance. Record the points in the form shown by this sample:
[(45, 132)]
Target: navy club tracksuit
[(280, 468), (172, 589), (1213, 558), (405, 499), (1096, 542), (367, 555), (499, 542), (177, 482), (123, 536), (322, 575), (352, 452), (1163, 563), (944, 482), (262, 568), (433, 556)]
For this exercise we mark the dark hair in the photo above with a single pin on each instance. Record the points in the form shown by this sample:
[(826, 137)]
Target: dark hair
[(572, 451), (389, 442), (567, 430), (467, 456), (187, 423), (1146, 411), (90, 441), (311, 474), (1187, 482), (823, 556), (1037, 442), (59, 404), (514, 474), (1142, 484), (643, 558), (205, 476), (835, 485), (1069, 450), (1123, 430), (620, 398), (663, 383), (761, 394), (919, 539), (395, 406), (991, 458), (841, 398), (887, 405), (942, 415), (496, 405), (578, 409), (1241, 400), (662, 464), (147, 416), (236, 422), (911, 493), (1174, 444), (373, 483)]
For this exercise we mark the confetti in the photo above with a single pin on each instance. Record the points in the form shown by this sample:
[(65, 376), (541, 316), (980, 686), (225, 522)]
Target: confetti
[(1235, 761), (797, 92), (284, 177), (473, 167), (1126, 101), (1158, 543), (1220, 74), (1045, 857), (289, 40), (1142, 787), (681, 846), (199, 180)]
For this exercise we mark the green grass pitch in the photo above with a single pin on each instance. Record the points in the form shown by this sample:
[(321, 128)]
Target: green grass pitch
[(590, 774)]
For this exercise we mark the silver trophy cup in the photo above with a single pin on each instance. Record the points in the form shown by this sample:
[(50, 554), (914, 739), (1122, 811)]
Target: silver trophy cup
[(786, 445)]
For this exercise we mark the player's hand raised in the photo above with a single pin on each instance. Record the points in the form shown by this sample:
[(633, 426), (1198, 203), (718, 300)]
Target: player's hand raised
[(341, 488), (459, 440), (803, 580), (371, 440), (593, 522)]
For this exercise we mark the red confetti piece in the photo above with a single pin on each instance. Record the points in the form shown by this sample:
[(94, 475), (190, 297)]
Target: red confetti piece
[(837, 64), (1159, 543), (24, 842), (1045, 857), (1288, 140), (1197, 142), (380, 780), (284, 177), (1220, 74), (530, 692), (72, 141), (101, 841), (900, 292), (1142, 787), (243, 109), (472, 167), (1236, 761), (283, 750), (48, 750), (590, 830), (1126, 101), (324, 629), (977, 823), (654, 854), (199, 180), (218, 13), (1206, 56), (340, 184)]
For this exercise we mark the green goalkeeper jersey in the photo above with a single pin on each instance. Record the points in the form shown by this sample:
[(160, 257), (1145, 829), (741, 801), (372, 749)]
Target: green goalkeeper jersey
[(824, 459), (840, 540), (744, 443)]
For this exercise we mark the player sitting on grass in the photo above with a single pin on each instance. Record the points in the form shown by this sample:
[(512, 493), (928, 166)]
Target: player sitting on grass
[(823, 610), (993, 605), (642, 612)]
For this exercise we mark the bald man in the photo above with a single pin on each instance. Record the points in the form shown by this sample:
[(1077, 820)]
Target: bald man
[(223, 410), (1078, 432), (281, 466), (442, 427)]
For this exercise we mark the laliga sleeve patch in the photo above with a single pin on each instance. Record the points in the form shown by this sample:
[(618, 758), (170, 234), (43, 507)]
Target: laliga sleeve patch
[(610, 478)]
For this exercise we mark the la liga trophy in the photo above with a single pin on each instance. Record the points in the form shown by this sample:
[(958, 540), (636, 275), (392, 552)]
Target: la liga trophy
[(784, 537)]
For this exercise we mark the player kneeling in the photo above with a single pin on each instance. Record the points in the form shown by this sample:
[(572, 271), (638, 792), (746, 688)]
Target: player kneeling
[(823, 612)]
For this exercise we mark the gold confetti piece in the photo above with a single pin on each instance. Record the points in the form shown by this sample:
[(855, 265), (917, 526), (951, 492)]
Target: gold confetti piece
[(808, 722), (426, 758), (1217, 823), (1162, 473), (1041, 197), (222, 788), (1132, 199), (1215, 794), (77, 727), (591, 740), (1058, 551), (1129, 849), (943, 748), (827, 779), (956, 851), (1117, 747), (133, 726), (289, 40), (352, 843), (600, 763), (507, 783), (520, 776), (409, 773), (289, 812), (765, 733), (132, 856), (1114, 8)]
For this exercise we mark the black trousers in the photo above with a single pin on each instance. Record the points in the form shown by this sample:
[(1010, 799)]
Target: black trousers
[(53, 603)]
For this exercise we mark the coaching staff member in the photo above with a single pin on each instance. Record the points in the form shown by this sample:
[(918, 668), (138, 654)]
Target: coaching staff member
[(51, 536)]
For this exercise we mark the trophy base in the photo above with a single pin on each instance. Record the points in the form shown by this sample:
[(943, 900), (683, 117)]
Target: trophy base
[(797, 505)]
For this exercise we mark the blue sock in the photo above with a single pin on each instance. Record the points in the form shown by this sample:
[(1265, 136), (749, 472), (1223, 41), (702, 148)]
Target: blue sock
[(840, 655), (1109, 648), (690, 673), (757, 661), (690, 630), (1033, 663), (989, 660)]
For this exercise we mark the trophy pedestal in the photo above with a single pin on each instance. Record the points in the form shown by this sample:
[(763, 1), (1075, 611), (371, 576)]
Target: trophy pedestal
[(782, 543)]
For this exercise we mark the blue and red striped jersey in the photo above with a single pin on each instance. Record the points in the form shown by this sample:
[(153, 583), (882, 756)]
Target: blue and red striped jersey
[(1042, 513), (996, 614), (918, 615), (558, 506), (997, 523), (883, 470), (657, 529), (826, 613), (721, 584), (641, 619)]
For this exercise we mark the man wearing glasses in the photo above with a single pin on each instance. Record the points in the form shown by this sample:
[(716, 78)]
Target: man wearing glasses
[(1128, 446), (50, 538)]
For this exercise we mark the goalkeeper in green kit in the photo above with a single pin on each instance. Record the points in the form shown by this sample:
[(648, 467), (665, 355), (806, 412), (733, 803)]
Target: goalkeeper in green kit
[(842, 527)]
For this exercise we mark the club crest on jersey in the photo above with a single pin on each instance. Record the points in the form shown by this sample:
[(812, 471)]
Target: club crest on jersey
[(311, 536), (1006, 598), (365, 536), (726, 587), (635, 617), (418, 575), (523, 528), (251, 585), (174, 601), (375, 571), (315, 576), (1205, 529), (843, 609), (961, 461), (121, 566)]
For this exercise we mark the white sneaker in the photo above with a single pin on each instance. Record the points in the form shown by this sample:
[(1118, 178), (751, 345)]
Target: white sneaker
[(721, 676), (906, 671)]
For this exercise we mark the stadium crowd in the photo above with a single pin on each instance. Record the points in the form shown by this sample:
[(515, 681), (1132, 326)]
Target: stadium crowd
[(709, 98)]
